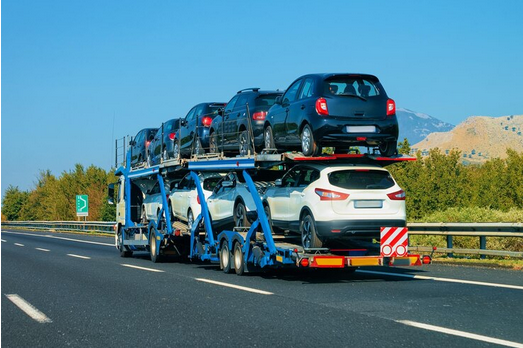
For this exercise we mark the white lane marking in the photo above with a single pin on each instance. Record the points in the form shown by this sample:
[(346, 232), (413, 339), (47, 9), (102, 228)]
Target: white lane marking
[(142, 268), (3, 241), (450, 280), (461, 334), (42, 249), (256, 291), (20, 245), (62, 238), (79, 256), (28, 309)]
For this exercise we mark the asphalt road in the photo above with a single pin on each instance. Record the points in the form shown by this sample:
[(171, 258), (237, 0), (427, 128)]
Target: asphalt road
[(76, 290)]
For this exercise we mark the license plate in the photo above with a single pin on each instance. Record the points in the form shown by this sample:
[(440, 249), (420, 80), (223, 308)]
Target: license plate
[(361, 129), (368, 204)]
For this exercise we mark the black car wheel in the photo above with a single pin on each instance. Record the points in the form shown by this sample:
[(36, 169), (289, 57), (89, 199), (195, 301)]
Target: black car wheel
[(388, 148), (213, 143), (240, 216), (268, 138), (309, 238), (309, 146), (244, 143), (176, 150)]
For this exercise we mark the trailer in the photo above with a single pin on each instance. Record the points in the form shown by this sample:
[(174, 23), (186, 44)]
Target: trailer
[(243, 249)]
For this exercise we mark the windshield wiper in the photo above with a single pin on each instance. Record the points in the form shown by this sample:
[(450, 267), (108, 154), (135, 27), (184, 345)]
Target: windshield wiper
[(352, 95)]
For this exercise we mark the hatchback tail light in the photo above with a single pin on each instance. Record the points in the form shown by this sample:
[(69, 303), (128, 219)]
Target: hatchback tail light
[(259, 116), (397, 196), (328, 195), (198, 199), (391, 107), (171, 136), (321, 106), (206, 121), (147, 143)]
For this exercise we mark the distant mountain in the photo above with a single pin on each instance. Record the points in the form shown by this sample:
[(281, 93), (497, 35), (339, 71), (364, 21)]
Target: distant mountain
[(415, 126), (478, 138)]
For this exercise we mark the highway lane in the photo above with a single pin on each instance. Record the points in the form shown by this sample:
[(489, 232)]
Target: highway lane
[(97, 301)]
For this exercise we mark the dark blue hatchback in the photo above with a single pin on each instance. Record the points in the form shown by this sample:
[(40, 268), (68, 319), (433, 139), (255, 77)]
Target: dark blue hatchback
[(335, 110)]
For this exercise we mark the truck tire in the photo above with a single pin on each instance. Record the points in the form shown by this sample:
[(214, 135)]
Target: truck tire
[(153, 250), (309, 238), (239, 262), (124, 252), (225, 257)]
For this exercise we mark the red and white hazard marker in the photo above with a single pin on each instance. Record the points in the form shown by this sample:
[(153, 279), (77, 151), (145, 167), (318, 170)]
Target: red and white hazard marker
[(394, 241)]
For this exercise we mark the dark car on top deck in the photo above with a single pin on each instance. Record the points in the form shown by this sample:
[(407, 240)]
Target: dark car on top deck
[(162, 146), (139, 144), (335, 110), (230, 131)]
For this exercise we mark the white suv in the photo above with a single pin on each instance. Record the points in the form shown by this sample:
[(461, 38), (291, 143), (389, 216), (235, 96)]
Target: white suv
[(326, 202)]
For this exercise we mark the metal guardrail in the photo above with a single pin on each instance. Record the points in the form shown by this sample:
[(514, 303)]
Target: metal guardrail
[(450, 230)]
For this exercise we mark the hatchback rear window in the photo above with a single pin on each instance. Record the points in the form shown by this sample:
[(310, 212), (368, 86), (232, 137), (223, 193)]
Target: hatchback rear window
[(266, 99), (361, 179), (210, 183), (350, 85)]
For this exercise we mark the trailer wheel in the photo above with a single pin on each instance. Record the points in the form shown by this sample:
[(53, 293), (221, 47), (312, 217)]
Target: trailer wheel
[(309, 238), (225, 257), (239, 262), (240, 216), (155, 257), (124, 252)]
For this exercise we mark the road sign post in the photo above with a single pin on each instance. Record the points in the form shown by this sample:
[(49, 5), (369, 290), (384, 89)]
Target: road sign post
[(82, 205)]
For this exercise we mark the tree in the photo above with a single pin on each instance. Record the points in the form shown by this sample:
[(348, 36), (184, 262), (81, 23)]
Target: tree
[(13, 202)]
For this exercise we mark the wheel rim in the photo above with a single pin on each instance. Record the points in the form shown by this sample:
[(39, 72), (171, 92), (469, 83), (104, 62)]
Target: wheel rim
[(212, 144), (306, 233), (190, 220), (165, 158), (268, 143), (197, 147), (243, 144), (176, 150), (225, 256), (120, 241), (237, 257), (240, 215), (306, 140), (153, 245)]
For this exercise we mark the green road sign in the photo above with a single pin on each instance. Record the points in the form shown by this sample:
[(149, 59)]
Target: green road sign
[(82, 205)]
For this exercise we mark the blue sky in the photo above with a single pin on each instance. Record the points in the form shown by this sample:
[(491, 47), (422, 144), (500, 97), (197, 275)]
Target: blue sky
[(73, 69)]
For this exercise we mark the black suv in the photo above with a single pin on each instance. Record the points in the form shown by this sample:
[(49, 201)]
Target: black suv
[(139, 144), (163, 146), (247, 110), (193, 136), (338, 110)]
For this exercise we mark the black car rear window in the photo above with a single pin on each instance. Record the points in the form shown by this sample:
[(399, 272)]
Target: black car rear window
[(266, 99), (350, 85), (361, 179), (212, 110)]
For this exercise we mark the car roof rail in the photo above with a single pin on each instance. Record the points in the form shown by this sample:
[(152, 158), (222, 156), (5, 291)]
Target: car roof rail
[(254, 89)]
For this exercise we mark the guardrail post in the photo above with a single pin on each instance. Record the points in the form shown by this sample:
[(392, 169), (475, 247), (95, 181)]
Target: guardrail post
[(449, 246), (482, 245)]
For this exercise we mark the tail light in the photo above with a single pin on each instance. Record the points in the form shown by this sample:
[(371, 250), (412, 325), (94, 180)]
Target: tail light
[(171, 136), (391, 107), (147, 143), (327, 195), (397, 196), (206, 121), (198, 199), (304, 262), (259, 116), (321, 106)]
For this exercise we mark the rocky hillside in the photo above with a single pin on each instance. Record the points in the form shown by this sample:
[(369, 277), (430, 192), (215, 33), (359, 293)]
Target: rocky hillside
[(478, 138), (415, 126)]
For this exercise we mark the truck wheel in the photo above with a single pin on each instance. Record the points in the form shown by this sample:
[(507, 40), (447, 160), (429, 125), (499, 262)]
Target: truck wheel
[(239, 263), (240, 216), (155, 257), (225, 257), (309, 238), (309, 146), (124, 252)]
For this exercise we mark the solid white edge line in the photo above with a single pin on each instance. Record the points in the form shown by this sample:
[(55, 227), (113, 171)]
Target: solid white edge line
[(238, 287), (4, 241), (449, 280), (461, 334), (62, 238), (20, 245), (42, 249), (142, 268), (79, 256), (28, 309)]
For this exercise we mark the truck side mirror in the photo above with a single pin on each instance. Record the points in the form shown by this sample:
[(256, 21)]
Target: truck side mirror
[(110, 194)]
